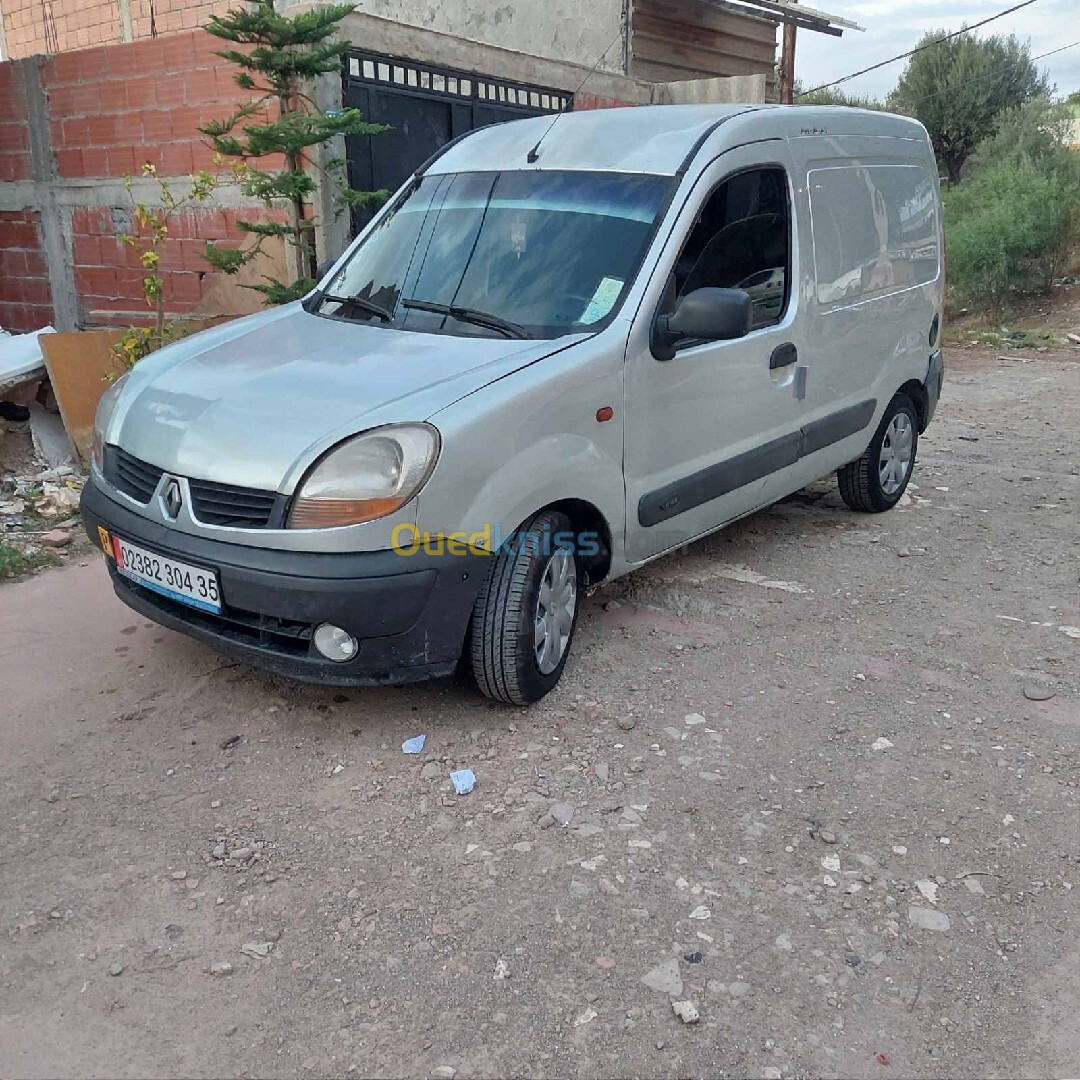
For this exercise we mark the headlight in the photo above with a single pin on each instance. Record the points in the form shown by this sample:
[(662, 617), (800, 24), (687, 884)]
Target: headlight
[(101, 421), (366, 477)]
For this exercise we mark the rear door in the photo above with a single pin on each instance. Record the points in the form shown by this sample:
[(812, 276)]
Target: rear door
[(715, 432)]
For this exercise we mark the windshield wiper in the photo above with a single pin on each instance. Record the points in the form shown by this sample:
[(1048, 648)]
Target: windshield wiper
[(469, 315), (362, 302)]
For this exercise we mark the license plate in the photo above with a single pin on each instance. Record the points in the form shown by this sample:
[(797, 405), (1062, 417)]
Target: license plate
[(178, 581)]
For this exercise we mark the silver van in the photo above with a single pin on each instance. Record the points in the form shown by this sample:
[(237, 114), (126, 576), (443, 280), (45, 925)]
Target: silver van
[(562, 349)]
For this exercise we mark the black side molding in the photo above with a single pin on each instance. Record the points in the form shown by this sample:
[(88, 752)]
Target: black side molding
[(725, 476), (839, 425)]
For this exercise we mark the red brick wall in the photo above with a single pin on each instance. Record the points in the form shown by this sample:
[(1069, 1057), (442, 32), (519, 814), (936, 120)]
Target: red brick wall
[(25, 300), (114, 109), (82, 24), (110, 111), (108, 277), (14, 140)]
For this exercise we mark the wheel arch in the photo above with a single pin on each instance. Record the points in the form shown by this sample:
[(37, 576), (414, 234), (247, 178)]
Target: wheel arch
[(917, 392), (587, 518)]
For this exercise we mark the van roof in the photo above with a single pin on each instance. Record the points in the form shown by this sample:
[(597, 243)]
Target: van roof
[(642, 138)]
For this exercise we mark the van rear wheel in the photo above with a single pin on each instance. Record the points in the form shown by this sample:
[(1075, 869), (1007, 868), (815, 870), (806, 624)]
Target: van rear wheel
[(526, 613), (874, 482)]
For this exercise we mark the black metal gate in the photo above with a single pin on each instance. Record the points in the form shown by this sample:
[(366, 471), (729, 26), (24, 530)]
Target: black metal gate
[(426, 107)]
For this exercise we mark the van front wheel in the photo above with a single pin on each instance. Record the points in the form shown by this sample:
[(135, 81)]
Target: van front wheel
[(874, 482), (526, 613)]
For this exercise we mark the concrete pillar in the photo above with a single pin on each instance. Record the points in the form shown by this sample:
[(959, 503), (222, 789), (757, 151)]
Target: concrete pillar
[(55, 219), (332, 229)]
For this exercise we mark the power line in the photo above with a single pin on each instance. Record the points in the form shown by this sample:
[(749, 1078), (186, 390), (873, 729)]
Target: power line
[(918, 48)]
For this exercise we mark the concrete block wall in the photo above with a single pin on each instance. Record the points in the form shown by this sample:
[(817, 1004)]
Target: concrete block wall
[(77, 125)]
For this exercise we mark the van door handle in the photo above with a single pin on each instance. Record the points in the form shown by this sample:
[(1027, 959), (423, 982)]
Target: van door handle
[(783, 355)]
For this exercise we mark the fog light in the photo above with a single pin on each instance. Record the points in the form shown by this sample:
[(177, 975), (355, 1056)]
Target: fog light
[(334, 643)]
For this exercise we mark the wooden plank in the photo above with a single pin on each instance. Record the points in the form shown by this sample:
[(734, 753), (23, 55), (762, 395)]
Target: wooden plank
[(682, 39), (721, 45), (78, 365), (784, 7), (695, 13), (698, 63)]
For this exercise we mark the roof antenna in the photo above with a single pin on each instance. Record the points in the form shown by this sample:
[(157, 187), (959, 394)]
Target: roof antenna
[(533, 155)]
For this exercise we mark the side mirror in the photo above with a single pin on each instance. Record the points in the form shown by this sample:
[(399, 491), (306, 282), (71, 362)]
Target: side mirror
[(705, 314)]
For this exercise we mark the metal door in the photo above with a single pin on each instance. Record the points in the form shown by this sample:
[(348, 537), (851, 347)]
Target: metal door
[(425, 107)]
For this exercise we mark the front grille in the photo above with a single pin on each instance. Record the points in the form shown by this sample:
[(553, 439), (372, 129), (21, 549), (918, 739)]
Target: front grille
[(223, 504), (128, 474), (212, 503)]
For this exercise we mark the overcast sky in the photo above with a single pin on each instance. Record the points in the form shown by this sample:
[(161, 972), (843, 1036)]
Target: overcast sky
[(892, 26)]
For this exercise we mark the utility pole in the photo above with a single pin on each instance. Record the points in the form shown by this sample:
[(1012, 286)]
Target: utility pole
[(787, 65)]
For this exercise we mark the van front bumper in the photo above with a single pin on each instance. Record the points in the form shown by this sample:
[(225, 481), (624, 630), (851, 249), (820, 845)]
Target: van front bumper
[(409, 613)]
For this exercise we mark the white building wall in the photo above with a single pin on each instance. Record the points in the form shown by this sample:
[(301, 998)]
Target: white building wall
[(572, 31)]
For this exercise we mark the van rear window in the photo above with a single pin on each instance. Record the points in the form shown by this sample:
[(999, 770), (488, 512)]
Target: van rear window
[(875, 231)]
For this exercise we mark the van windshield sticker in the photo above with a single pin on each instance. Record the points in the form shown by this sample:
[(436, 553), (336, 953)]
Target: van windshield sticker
[(603, 300)]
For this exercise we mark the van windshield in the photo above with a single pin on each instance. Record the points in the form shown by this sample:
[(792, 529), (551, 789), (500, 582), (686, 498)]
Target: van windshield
[(511, 254)]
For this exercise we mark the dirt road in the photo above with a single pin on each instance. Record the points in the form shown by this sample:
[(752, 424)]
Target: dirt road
[(811, 792)]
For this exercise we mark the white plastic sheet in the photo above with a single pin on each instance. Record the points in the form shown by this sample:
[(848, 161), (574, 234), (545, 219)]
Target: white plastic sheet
[(20, 358)]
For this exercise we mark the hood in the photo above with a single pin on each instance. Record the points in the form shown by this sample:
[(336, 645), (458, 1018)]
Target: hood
[(254, 401)]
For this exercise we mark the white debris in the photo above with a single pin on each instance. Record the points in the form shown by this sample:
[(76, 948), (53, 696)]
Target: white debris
[(974, 885), (686, 1011), (738, 572), (502, 971), (1008, 819), (682, 883), (899, 849), (693, 719), (829, 881), (586, 1017), (831, 862), (1070, 631), (881, 744), (944, 840), (928, 888), (701, 913)]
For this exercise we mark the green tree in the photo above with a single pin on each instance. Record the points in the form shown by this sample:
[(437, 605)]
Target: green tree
[(1035, 133), (959, 88), (278, 59)]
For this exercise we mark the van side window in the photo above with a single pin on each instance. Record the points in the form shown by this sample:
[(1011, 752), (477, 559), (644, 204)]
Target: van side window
[(742, 241)]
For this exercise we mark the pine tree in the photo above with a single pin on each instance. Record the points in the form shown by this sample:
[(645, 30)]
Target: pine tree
[(284, 56)]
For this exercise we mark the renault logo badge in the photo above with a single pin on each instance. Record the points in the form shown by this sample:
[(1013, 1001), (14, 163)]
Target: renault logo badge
[(172, 498)]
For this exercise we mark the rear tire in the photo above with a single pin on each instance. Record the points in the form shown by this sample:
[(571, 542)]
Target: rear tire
[(526, 612), (875, 482)]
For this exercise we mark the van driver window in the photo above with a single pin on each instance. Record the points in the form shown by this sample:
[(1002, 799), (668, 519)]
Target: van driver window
[(740, 241)]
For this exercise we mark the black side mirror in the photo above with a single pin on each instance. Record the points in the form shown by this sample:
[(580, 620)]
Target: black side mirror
[(704, 314)]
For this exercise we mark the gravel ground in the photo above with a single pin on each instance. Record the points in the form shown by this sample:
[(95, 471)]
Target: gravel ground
[(820, 773)]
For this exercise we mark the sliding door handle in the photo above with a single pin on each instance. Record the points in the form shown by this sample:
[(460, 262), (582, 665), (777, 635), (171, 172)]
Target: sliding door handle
[(783, 355)]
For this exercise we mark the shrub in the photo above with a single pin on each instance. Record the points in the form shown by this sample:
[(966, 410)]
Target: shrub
[(1007, 232)]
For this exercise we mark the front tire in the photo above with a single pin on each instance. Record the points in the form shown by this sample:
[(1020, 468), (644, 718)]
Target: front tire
[(526, 612), (874, 482)]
